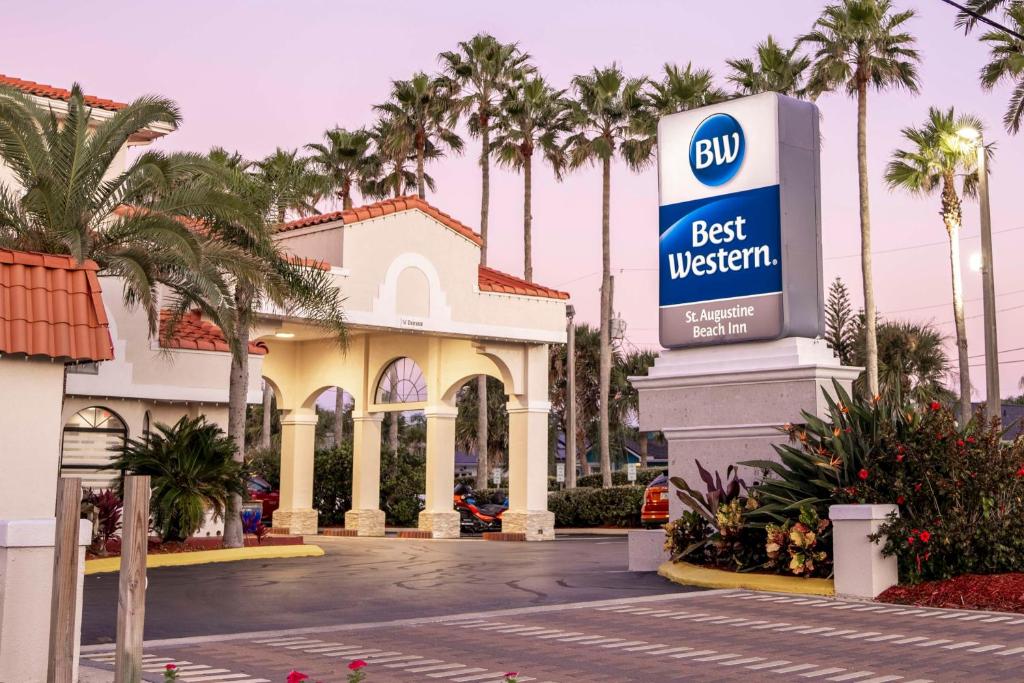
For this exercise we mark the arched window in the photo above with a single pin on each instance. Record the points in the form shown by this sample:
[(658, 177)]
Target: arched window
[(89, 436), (401, 382), (146, 424)]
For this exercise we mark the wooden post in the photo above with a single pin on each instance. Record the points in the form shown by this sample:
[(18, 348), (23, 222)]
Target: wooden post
[(131, 592), (64, 597)]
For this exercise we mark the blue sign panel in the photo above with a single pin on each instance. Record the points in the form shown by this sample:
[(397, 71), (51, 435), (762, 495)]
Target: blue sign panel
[(716, 149), (721, 247)]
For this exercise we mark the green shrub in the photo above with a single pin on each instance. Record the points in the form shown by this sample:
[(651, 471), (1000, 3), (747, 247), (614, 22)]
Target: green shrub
[(590, 507), (332, 483), (644, 476), (265, 462), (403, 479), (192, 470)]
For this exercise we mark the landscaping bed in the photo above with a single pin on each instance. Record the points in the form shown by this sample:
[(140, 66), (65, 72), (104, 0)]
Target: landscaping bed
[(156, 547), (997, 592)]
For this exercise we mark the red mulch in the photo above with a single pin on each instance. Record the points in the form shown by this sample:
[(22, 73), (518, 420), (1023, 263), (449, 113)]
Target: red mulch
[(194, 544), (998, 592)]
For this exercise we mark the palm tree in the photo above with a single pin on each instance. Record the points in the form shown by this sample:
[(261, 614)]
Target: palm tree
[(192, 469), (605, 113), (275, 278), (292, 184), (483, 68), (345, 161), (681, 89), (136, 224), (632, 364), (911, 360), (395, 154), (533, 117), (861, 44), (467, 423), (937, 156), (420, 113), (1007, 64), (775, 69)]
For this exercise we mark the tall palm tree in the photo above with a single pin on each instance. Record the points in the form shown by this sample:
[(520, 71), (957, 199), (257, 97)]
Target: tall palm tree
[(861, 44), (292, 184), (938, 155), (395, 154), (276, 278), (682, 88), (483, 68), (420, 112), (774, 69), (605, 112), (135, 224), (345, 161), (1007, 65), (533, 117)]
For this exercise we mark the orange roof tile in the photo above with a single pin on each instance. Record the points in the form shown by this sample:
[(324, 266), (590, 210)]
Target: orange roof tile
[(54, 93), (195, 334), (383, 208), (51, 306), (492, 280), (308, 262)]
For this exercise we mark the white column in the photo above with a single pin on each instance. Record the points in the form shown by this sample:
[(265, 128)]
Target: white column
[(438, 515), (366, 517), (528, 471), (860, 569), (298, 442)]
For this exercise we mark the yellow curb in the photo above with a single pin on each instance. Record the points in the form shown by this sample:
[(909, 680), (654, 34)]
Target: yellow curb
[(113, 564), (692, 575)]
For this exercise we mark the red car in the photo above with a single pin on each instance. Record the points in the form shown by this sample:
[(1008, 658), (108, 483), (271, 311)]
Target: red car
[(261, 490), (654, 512)]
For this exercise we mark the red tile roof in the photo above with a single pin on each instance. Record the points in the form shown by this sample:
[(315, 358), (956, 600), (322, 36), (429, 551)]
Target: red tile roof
[(51, 307), (388, 206), (54, 93), (196, 334), (492, 280), (308, 262)]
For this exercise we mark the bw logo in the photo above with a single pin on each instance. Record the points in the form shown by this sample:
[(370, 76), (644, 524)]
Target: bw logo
[(716, 149)]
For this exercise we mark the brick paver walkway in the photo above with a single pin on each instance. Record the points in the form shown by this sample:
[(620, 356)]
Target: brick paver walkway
[(712, 636)]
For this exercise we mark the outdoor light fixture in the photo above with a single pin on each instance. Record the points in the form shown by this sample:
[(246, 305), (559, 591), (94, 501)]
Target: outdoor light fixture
[(284, 335)]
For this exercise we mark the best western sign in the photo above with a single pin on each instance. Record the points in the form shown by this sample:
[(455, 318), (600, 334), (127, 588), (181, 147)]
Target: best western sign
[(740, 246)]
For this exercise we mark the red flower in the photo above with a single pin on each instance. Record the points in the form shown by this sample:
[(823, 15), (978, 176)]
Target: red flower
[(900, 500), (863, 474), (960, 443), (171, 667), (910, 540), (917, 487), (296, 677), (511, 674), (356, 664), (1020, 472), (925, 536), (971, 439), (936, 405), (899, 458)]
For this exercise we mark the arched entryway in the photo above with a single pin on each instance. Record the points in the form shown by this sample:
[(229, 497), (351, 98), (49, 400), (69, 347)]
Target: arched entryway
[(89, 437)]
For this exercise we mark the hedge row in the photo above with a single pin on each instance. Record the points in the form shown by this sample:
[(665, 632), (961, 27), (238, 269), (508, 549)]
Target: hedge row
[(644, 476), (586, 507)]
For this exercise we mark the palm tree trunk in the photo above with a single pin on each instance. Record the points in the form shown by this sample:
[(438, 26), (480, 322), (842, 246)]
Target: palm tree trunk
[(528, 218), (238, 389), (643, 449), (346, 195), (961, 329), (870, 315), (393, 416), (421, 185), (482, 459), (339, 416), (268, 406), (481, 382), (606, 347), (583, 453)]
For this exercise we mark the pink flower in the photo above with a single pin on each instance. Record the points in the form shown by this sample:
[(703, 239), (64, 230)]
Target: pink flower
[(171, 667), (297, 677), (356, 665)]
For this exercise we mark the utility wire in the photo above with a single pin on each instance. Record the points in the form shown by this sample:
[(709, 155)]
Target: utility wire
[(982, 18)]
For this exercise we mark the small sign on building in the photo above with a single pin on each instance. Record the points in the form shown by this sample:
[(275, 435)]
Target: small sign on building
[(631, 472), (560, 472)]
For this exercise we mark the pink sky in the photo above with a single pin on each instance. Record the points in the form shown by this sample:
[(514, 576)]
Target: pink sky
[(252, 76)]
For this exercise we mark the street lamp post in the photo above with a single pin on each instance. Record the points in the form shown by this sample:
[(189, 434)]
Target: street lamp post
[(993, 402), (570, 399)]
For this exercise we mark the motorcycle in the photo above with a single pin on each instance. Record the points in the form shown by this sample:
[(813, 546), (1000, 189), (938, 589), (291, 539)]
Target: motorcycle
[(474, 517)]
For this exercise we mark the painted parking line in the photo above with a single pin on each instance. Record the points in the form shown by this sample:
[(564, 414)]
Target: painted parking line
[(187, 671)]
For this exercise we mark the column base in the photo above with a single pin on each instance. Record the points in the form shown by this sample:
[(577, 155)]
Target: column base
[(303, 522), (365, 522), (441, 524), (538, 525)]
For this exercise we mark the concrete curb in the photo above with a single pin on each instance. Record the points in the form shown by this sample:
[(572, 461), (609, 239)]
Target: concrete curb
[(691, 575), (113, 564)]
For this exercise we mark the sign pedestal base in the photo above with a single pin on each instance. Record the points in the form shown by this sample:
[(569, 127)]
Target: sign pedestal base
[(723, 404)]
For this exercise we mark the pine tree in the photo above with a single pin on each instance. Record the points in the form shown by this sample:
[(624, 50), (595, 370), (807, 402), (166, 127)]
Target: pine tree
[(840, 322)]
